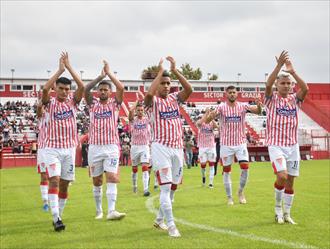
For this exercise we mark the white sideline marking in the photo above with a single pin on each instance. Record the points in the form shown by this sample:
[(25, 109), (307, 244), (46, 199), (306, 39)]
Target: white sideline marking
[(151, 208)]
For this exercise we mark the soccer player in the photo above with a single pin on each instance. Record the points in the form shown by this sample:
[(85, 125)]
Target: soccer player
[(282, 133), (103, 153), (41, 157), (233, 139), (140, 150), (61, 138), (206, 144), (167, 145)]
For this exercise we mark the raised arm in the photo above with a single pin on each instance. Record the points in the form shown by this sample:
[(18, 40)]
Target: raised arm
[(187, 89), (51, 82), (90, 86), (115, 81), (203, 119), (131, 112), (272, 77), (40, 110), (154, 85), (303, 87), (78, 94), (256, 109)]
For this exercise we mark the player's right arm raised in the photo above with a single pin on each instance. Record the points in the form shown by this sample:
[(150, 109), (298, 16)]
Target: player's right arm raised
[(154, 85), (272, 77), (51, 82), (90, 86)]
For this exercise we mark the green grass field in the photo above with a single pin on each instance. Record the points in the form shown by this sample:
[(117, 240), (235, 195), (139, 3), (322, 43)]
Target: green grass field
[(203, 217)]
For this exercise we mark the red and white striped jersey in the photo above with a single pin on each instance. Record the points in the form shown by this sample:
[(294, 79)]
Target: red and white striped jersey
[(206, 136), (103, 122), (232, 123), (42, 128), (166, 124), (62, 125), (140, 131), (282, 119)]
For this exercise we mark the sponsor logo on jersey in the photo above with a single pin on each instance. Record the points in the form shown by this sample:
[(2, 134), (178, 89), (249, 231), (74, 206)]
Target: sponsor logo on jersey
[(140, 126), (206, 130), (285, 111), (233, 119), (101, 115), (63, 115), (169, 115)]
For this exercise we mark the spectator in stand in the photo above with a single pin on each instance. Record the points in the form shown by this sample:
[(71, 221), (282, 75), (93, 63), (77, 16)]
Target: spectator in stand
[(188, 144), (84, 153), (125, 153), (15, 146), (195, 150)]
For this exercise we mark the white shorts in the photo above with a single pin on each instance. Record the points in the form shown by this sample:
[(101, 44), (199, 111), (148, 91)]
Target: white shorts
[(227, 154), (168, 163), (140, 154), (207, 154), (285, 158), (103, 158), (61, 162), (41, 161)]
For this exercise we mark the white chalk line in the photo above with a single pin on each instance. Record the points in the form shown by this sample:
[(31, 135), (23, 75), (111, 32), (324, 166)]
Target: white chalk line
[(151, 208)]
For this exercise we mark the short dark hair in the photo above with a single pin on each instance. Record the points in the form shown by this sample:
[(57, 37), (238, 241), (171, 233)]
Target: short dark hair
[(64, 81), (139, 104), (230, 88), (166, 74), (105, 82)]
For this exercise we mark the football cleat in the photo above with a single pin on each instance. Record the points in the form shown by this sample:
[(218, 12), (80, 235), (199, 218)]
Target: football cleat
[(99, 215), (173, 232), (134, 189), (146, 193), (160, 225), (279, 219), (115, 215), (210, 185), (58, 226), (288, 219), (45, 207), (241, 198), (230, 201)]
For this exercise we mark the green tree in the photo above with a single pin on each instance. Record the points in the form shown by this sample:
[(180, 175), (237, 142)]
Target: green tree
[(150, 72), (213, 77), (187, 71)]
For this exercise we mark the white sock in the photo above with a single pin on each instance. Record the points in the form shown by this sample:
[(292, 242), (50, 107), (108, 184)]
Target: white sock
[(278, 201), (203, 172), (160, 215), (134, 179), (227, 184), (61, 205), (155, 180), (44, 193), (172, 195), (287, 201), (98, 194), (211, 174), (166, 204), (145, 179), (243, 179), (111, 196), (53, 204)]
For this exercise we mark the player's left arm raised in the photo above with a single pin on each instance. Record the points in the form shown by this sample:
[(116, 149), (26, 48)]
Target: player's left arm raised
[(78, 94), (303, 87), (116, 82), (187, 89)]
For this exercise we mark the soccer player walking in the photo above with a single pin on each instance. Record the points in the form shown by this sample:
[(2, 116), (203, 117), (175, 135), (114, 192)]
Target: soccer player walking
[(233, 139), (282, 133), (61, 137), (43, 119), (140, 150), (206, 144), (103, 153), (167, 144)]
